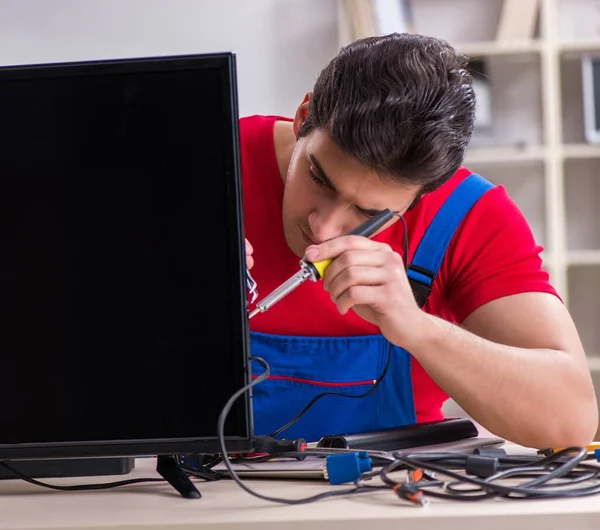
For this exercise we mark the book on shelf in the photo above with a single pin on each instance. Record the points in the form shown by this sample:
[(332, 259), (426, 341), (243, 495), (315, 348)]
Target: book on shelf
[(365, 18), (518, 20)]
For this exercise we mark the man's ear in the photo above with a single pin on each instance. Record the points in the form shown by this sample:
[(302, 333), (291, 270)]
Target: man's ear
[(301, 113)]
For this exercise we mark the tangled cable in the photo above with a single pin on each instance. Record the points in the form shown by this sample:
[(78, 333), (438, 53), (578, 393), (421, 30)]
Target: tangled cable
[(486, 474)]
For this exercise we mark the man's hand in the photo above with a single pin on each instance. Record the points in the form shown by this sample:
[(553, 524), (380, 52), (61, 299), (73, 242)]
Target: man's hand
[(369, 277), (249, 258)]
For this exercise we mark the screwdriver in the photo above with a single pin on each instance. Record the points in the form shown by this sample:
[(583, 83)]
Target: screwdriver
[(315, 271)]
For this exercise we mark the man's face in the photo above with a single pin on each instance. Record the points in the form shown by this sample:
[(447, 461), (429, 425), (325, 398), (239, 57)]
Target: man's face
[(328, 193)]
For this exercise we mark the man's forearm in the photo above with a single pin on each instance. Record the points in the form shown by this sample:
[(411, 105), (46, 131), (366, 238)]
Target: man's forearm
[(534, 397)]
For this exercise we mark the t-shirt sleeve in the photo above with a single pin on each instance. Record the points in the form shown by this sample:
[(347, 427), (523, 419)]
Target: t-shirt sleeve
[(492, 255)]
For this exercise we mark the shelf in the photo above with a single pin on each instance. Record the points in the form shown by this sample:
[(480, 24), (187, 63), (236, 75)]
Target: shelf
[(584, 306), (505, 155), (579, 46), (526, 187), (581, 189), (571, 88), (574, 151), (583, 257), (517, 123), (493, 48)]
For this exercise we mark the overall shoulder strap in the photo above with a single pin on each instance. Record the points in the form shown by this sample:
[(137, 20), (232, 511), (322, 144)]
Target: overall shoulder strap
[(432, 248)]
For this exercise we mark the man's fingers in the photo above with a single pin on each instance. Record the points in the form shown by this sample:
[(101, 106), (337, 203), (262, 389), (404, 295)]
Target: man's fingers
[(355, 276), (339, 245), (249, 258), (359, 295), (353, 259)]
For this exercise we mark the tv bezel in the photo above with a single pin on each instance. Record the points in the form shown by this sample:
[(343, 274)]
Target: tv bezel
[(225, 62)]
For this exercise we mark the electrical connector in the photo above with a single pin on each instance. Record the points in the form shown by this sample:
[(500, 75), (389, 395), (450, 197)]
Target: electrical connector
[(481, 466), (346, 467), (411, 493), (269, 445)]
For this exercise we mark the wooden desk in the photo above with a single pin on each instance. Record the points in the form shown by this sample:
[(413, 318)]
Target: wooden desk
[(225, 506)]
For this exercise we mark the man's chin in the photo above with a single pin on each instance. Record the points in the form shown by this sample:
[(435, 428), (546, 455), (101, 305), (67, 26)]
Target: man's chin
[(299, 249), (296, 244), (297, 239), (304, 243)]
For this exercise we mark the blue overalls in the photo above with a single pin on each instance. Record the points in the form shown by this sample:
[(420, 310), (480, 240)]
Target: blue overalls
[(351, 365)]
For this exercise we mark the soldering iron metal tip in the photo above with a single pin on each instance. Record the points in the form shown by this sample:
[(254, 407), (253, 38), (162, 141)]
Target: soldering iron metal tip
[(254, 312)]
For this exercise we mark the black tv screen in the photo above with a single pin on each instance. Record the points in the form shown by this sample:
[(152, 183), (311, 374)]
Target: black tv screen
[(123, 320)]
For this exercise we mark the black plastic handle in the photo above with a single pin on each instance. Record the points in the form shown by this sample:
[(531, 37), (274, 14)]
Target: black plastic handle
[(368, 228)]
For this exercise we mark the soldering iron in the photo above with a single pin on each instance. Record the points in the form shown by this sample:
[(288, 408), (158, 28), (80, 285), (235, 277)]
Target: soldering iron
[(315, 270)]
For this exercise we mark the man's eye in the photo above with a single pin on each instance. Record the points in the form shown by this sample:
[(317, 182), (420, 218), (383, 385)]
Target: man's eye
[(316, 179), (367, 213)]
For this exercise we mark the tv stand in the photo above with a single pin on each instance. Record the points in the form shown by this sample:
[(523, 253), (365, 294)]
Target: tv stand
[(168, 468)]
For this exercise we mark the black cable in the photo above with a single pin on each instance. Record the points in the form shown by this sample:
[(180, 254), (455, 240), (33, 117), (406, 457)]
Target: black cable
[(405, 240), (339, 394), (377, 381), (235, 476), (551, 477), (79, 487), (319, 452)]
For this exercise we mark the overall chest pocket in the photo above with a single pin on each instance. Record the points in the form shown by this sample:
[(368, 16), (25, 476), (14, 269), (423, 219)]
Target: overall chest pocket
[(304, 367)]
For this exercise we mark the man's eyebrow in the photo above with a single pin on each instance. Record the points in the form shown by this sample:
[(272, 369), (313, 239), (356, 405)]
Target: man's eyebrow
[(327, 181)]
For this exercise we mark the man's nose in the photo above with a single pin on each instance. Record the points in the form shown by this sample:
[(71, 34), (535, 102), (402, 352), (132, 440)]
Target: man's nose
[(326, 225)]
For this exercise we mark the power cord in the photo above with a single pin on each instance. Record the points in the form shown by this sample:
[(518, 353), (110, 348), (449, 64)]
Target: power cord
[(78, 487), (404, 240), (227, 462), (484, 476)]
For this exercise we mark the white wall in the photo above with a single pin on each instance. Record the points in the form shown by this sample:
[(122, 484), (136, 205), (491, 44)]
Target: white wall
[(281, 45)]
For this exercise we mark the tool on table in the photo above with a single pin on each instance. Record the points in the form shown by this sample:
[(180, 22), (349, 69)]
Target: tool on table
[(593, 448), (314, 271)]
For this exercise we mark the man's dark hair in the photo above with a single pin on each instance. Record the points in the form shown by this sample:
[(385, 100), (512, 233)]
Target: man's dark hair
[(402, 104)]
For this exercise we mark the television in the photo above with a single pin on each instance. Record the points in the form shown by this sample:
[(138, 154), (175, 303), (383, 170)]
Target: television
[(124, 325)]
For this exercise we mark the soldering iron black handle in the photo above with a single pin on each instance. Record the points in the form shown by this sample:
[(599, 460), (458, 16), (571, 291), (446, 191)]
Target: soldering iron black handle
[(368, 228)]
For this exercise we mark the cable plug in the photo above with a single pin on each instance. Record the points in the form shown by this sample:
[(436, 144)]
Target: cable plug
[(272, 446), (346, 467), (411, 492), (481, 466)]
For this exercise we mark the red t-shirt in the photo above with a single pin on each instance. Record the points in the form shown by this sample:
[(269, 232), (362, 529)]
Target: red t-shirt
[(492, 255)]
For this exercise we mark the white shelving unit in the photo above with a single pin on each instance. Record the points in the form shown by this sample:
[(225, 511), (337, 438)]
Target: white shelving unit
[(569, 225), (536, 146)]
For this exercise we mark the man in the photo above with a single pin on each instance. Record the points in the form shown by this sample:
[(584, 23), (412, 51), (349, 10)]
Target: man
[(387, 126)]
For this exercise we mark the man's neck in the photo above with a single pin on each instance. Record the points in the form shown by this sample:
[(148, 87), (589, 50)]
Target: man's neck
[(284, 141)]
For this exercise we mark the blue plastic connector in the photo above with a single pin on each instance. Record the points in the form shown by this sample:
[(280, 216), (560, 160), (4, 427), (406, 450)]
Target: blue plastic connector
[(346, 467), (597, 454)]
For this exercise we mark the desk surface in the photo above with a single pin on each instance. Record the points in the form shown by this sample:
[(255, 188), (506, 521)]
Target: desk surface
[(225, 506)]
